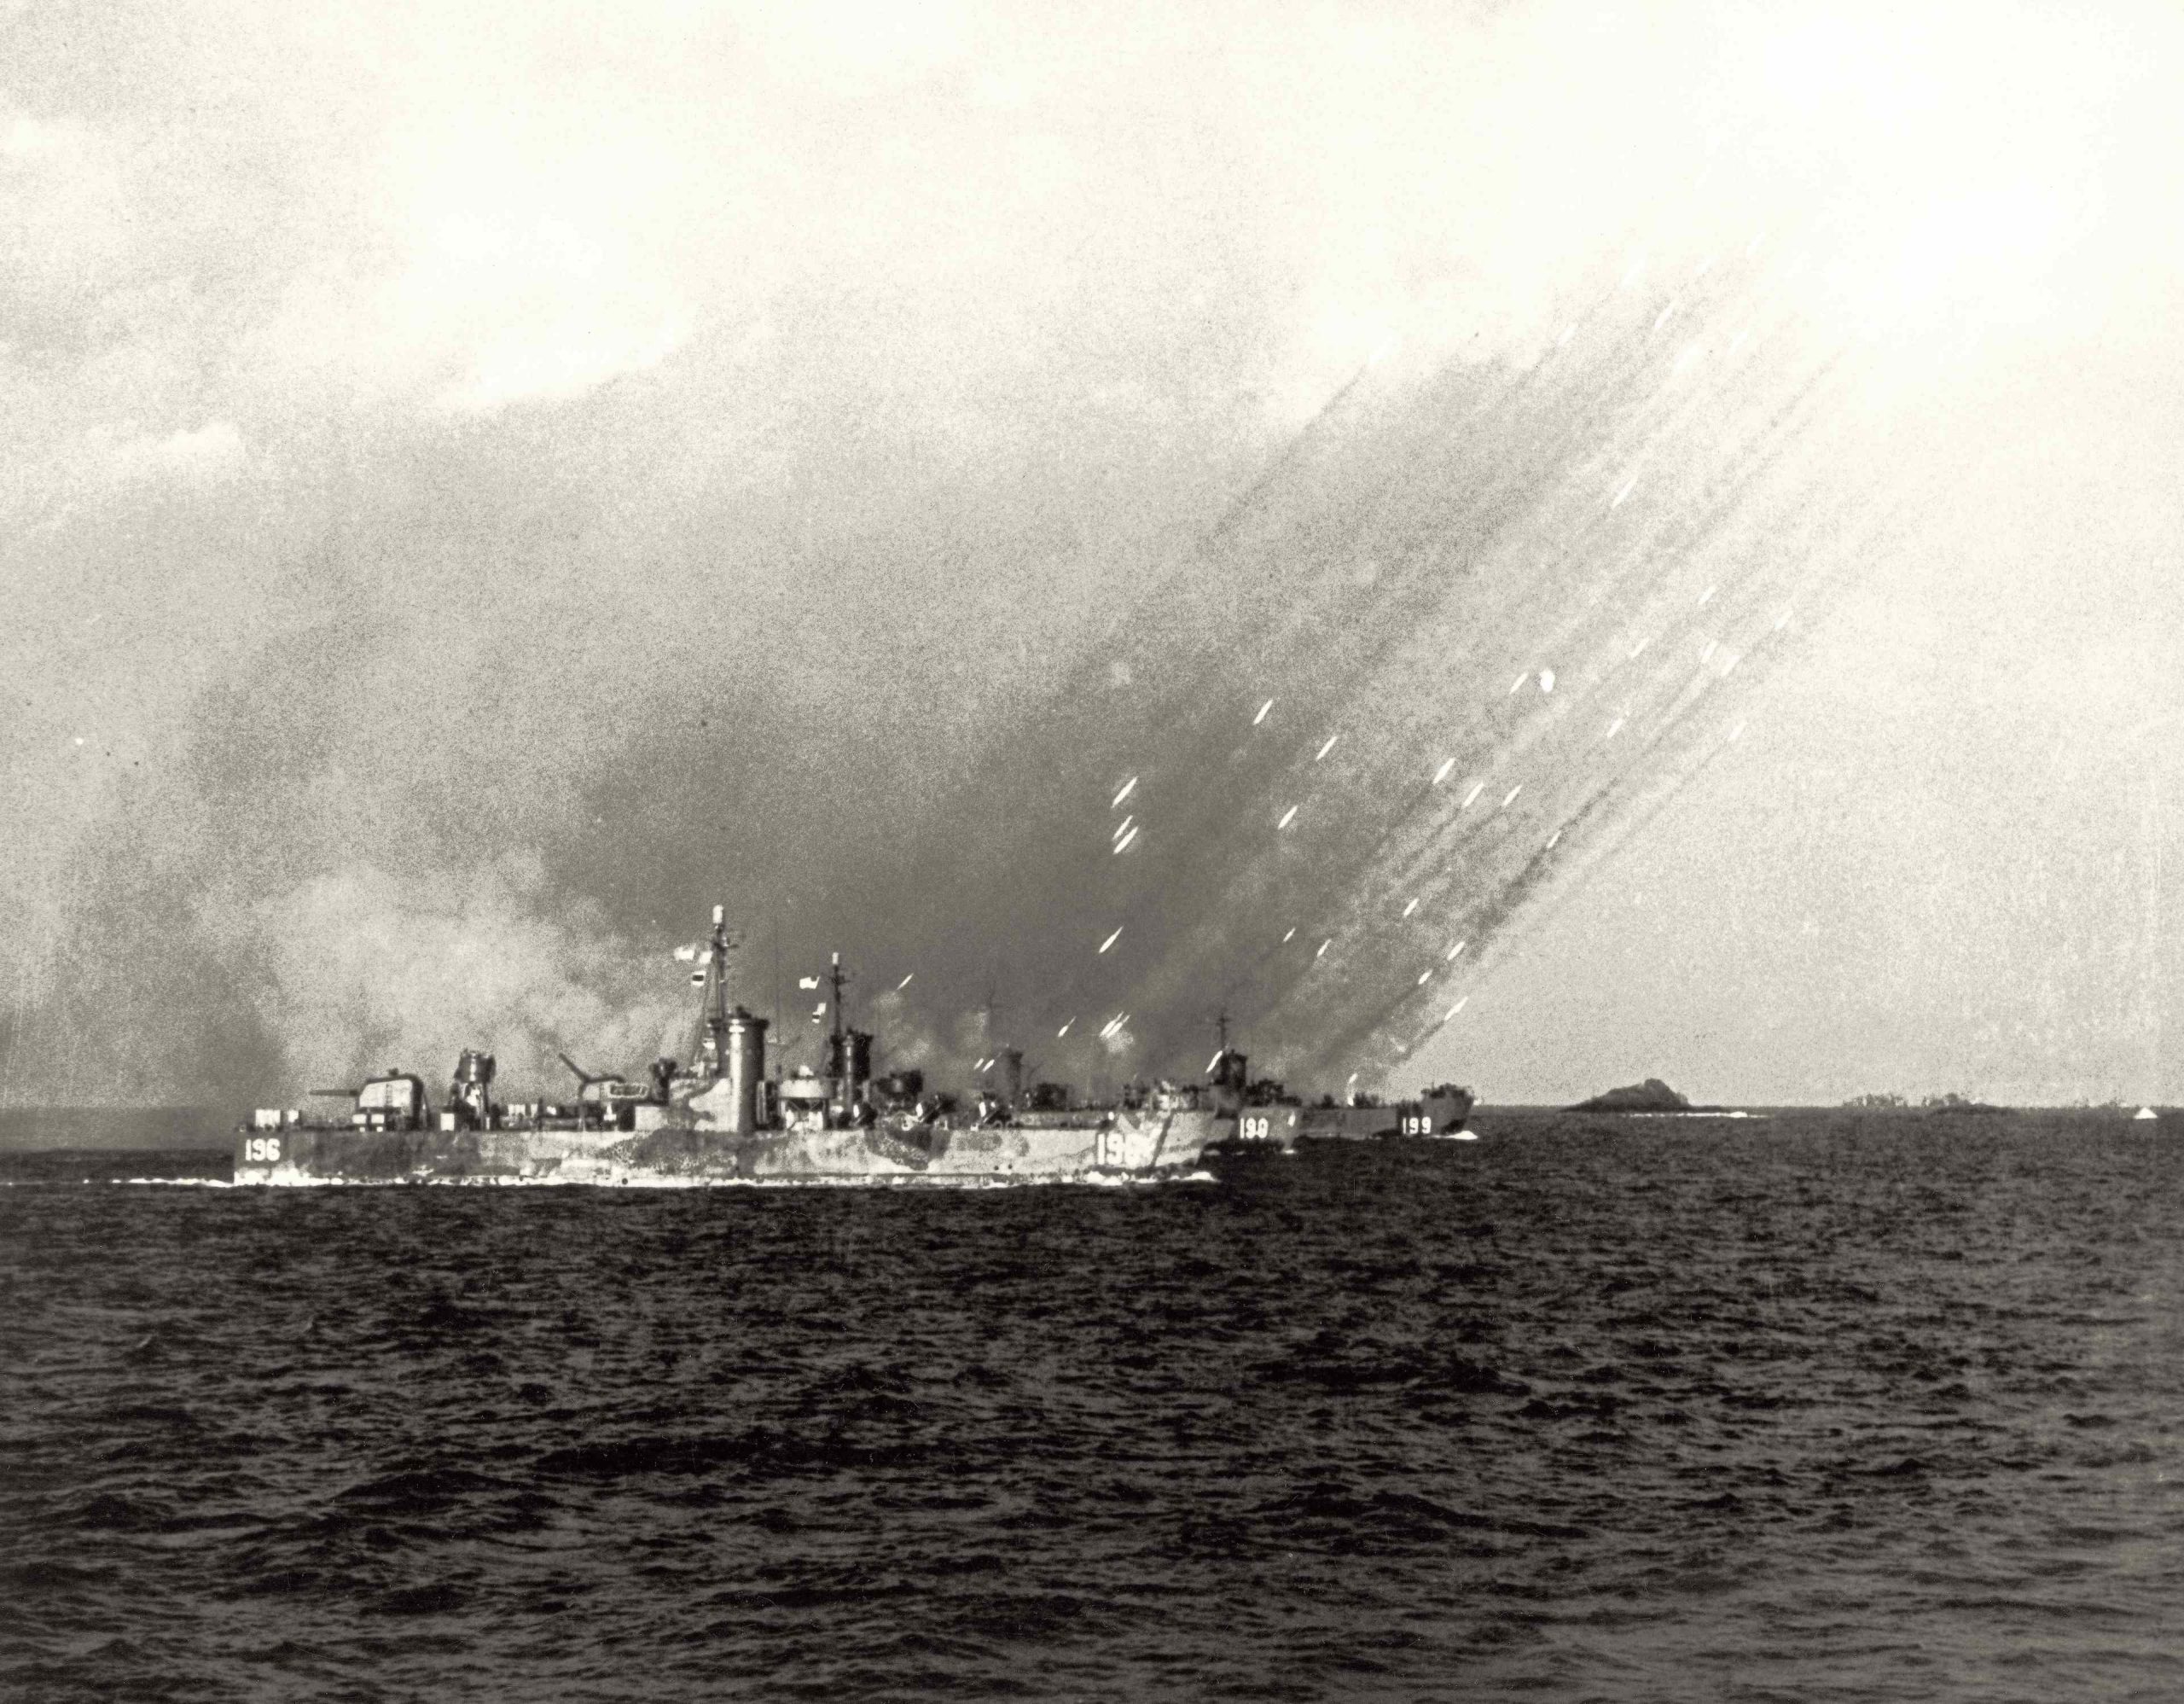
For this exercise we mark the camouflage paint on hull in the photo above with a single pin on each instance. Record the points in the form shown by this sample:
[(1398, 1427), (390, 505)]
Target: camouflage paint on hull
[(1149, 1144)]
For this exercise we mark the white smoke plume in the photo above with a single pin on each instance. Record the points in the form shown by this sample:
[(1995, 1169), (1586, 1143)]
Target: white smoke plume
[(362, 973)]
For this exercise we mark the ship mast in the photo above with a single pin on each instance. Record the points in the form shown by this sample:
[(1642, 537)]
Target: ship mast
[(709, 1041), (836, 977)]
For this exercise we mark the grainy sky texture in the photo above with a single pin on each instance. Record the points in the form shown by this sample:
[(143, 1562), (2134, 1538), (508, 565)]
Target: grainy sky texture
[(482, 483)]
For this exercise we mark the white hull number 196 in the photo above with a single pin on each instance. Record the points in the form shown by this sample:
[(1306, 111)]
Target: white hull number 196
[(261, 1150)]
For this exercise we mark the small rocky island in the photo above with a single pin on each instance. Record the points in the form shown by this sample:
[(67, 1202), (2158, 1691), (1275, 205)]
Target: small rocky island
[(1651, 1095)]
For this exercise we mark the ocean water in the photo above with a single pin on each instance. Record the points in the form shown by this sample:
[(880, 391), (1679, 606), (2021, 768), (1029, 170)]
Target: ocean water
[(1825, 1407)]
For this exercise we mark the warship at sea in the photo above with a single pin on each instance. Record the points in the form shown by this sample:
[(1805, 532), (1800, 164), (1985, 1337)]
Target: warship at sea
[(722, 1119)]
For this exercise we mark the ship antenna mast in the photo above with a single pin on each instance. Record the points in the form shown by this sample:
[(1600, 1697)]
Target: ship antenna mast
[(708, 1045), (836, 979)]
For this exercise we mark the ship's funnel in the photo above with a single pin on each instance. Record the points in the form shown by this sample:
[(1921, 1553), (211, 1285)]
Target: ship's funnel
[(746, 1069)]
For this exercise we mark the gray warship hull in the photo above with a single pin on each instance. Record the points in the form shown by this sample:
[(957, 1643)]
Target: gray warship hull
[(1119, 1148), (1438, 1115)]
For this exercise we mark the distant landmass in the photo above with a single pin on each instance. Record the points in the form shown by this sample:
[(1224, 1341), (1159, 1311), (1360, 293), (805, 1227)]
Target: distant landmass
[(1651, 1095)]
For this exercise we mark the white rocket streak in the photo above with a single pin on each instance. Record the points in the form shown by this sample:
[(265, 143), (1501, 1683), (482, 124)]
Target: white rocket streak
[(1209, 1064), (1441, 774), (1063, 1030), (1411, 907), (905, 983), (1324, 946), (1110, 940), (1552, 838), (1510, 797), (1627, 485), (1517, 685), (1454, 1009), (1328, 747), (1458, 948), (1123, 827), (1122, 844), (1478, 788), (1290, 937), (1707, 597), (1261, 716), (1129, 787), (1424, 976), (1287, 817), (1616, 726)]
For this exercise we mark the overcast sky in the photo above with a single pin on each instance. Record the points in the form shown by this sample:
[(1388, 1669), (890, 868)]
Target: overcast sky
[(482, 483)]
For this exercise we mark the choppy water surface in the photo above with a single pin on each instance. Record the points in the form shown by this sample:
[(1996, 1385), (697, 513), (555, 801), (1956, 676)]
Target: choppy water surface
[(1825, 1407)]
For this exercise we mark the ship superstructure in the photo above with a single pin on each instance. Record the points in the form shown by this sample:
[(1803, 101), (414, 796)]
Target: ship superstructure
[(720, 1118)]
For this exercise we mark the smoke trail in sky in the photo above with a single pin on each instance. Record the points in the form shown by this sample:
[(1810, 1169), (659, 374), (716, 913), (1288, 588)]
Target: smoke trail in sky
[(1470, 629)]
